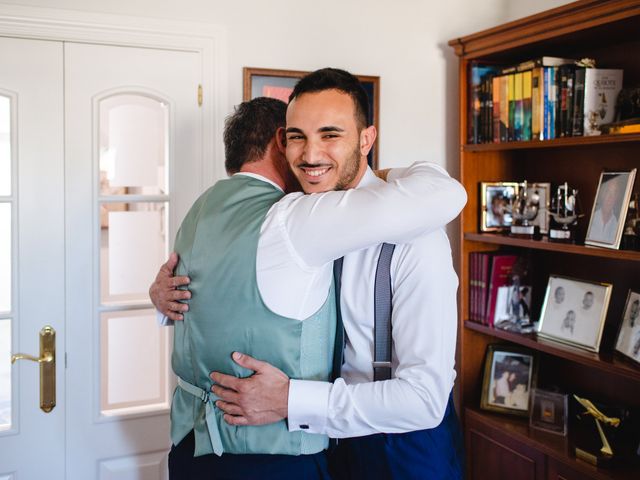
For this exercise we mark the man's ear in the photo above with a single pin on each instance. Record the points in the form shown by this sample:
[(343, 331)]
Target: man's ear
[(367, 139), (281, 140)]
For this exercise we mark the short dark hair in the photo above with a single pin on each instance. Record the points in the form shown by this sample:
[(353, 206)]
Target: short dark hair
[(248, 131), (336, 79)]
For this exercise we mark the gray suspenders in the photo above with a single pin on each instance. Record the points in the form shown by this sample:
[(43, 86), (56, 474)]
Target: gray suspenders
[(382, 317)]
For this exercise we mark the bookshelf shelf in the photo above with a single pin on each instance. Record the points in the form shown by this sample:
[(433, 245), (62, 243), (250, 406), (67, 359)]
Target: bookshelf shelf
[(606, 362), (554, 446), (555, 143), (545, 244)]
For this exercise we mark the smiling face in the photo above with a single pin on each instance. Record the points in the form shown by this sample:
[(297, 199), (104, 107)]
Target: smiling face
[(324, 145)]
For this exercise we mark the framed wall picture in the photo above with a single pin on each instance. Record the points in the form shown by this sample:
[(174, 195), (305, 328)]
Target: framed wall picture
[(543, 192), (610, 209), (549, 411), (628, 342), (265, 82), (495, 198), (509, 376), (574, 312)]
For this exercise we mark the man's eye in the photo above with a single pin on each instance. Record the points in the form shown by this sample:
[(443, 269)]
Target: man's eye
[(294, 137), (330, 135)]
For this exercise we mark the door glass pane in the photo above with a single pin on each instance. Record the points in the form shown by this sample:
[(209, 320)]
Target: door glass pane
[(134, 355), (5, 374), (133, 246), (5, 257), (5, 146), (133, 145)]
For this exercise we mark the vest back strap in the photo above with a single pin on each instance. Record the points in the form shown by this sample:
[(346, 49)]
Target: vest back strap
[(212, 426)]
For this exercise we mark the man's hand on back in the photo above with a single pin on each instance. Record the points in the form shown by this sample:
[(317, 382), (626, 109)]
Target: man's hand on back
[(164, 293), (259, 399)]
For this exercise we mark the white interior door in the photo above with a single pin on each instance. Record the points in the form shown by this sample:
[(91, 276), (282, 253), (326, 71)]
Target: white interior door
[(31, 253), (133, 142), (100, 158)]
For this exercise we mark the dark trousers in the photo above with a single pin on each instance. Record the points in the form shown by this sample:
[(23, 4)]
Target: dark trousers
[(433, 454), (184, 466)]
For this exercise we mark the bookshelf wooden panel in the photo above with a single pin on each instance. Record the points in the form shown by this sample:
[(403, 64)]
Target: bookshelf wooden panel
[(545, 244), (608, 31)]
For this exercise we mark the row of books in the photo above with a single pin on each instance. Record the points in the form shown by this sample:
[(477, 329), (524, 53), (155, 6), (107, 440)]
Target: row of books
[(488, 271), (540, 99)]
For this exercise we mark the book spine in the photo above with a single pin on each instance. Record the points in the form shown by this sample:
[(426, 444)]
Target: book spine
[(527, 92), (568, 132), (496, 108), (504, 108), (553, 101), (537, 105), (578, 103), (519, 114), (512, 107), (547, 103), (562, 100), (482, 297)]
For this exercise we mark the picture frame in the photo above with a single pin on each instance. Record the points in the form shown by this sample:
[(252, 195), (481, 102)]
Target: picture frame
[(495, 198), (543, 190), (549, 411), (509, 375), (628, 340), (609, 211), (277, 83), (574, 312)]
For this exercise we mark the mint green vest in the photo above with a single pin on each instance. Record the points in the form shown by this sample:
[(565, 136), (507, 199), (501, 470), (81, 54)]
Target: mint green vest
[(217, 244)]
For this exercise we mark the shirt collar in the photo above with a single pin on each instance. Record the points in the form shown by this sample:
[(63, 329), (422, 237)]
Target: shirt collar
[(258, 177), (369, 179)]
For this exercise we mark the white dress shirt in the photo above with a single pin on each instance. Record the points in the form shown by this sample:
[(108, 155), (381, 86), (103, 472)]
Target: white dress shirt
[(300, 238)]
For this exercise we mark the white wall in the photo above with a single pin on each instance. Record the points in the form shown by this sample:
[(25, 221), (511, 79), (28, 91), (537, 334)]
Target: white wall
[(402, 41)]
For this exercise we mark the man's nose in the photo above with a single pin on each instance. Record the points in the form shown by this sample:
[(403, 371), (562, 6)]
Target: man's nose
[(312, 152)]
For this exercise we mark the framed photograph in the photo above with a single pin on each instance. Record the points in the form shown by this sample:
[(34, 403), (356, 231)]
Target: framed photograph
[(549, 411), (265, 82), (509, 376), (543, 192), (610, 209), (574, 312), (495, 198), (628, 342)]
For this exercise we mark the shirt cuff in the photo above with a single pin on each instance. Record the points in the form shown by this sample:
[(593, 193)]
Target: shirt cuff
[(308, 405), (163, 320)]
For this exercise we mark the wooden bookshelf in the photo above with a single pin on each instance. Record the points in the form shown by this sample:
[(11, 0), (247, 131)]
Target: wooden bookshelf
[(607, 31)]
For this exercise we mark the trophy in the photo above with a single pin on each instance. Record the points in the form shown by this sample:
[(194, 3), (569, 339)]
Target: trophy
[(565, 214), (524, 208)]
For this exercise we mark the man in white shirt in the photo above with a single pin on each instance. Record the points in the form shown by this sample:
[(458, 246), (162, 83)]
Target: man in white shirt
[(326, 144)]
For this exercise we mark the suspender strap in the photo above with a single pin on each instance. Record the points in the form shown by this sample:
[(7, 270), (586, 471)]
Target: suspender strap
[(338, 351), (382, 318), (210, 416)]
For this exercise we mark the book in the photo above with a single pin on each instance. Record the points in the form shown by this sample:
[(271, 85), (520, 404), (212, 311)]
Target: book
[(500, 268), (483, 284), (511, 92), (473, 285), (519, 112), (527, 93), (478, 72), (504, 108), (495, 92), (578, 102), (544, 62), (601, 89)]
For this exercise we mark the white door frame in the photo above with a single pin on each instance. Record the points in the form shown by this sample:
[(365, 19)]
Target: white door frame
[(207, 39)]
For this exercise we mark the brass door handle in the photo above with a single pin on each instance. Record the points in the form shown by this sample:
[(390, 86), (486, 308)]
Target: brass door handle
[(47, 361), (46, 358)]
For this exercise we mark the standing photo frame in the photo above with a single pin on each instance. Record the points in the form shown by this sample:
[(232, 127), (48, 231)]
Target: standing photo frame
[(549, 411), (628, 341), (509, 375), (574, 312), (495, 198), (610, 209), (274, 83)]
